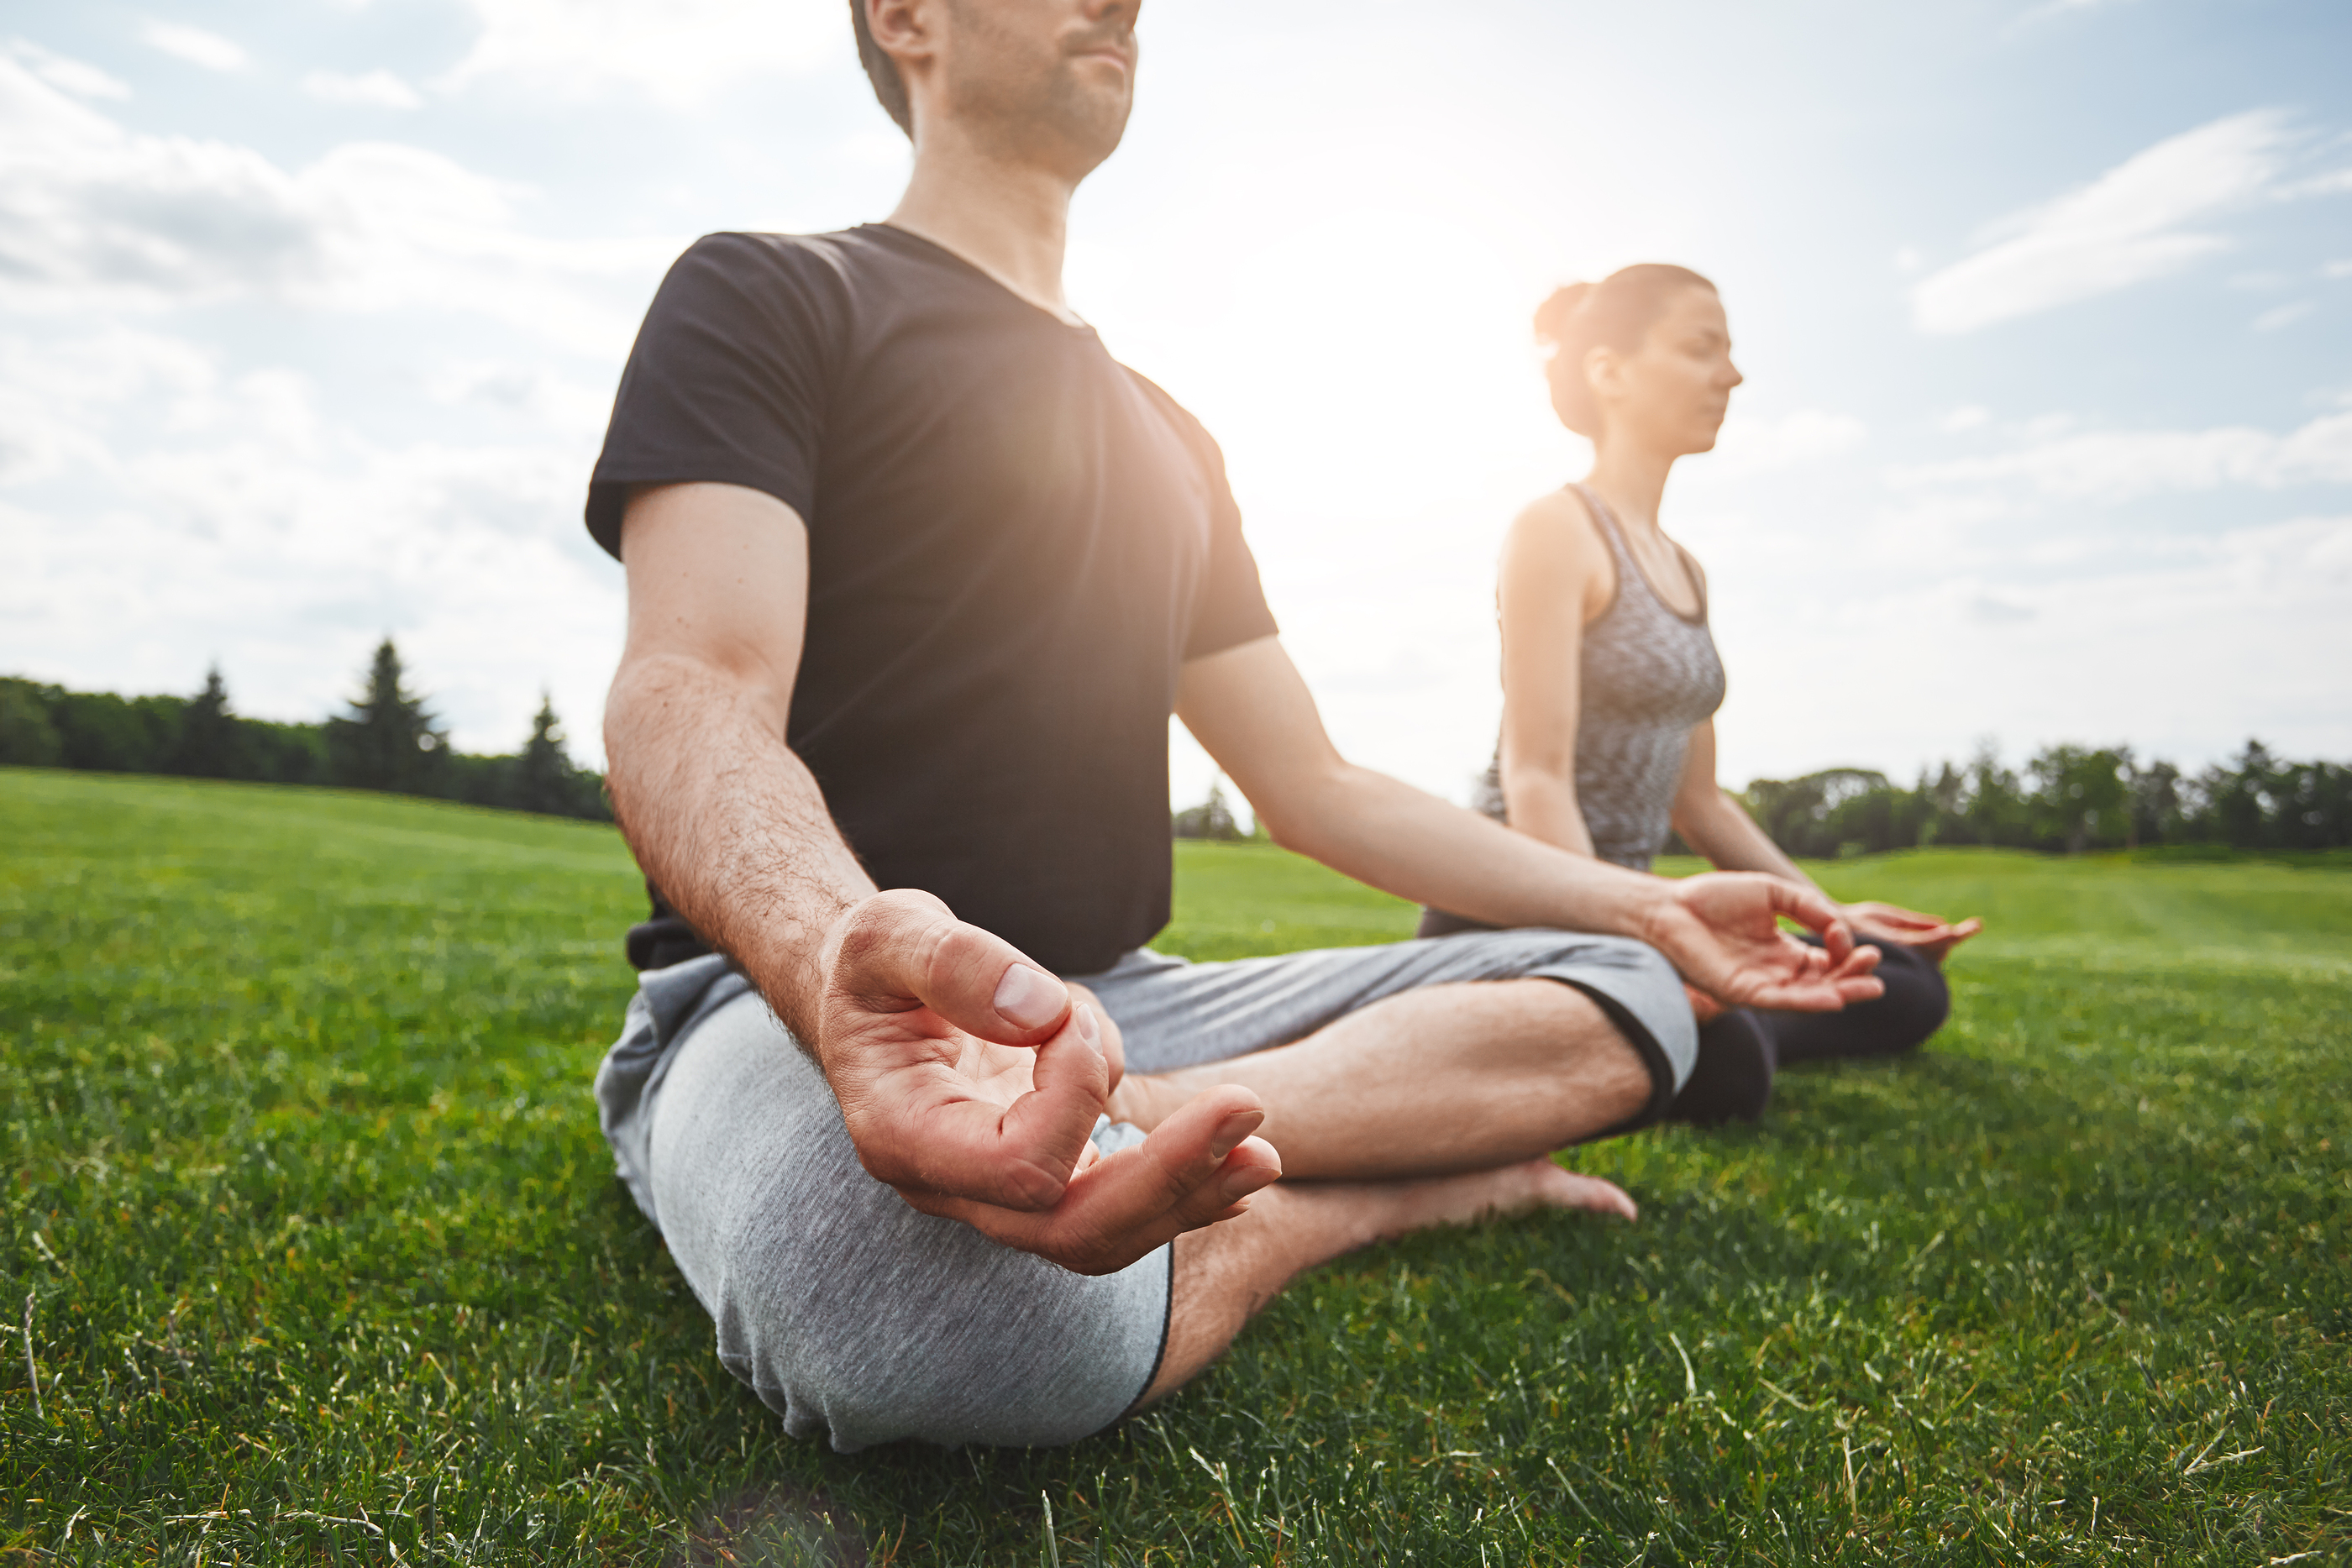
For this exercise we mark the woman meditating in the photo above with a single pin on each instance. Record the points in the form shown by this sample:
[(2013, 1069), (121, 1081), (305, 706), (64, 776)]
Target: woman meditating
[(1611, 679)]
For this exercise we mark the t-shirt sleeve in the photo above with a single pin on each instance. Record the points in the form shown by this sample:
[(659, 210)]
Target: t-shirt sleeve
[(727, 382), (1231, 609)]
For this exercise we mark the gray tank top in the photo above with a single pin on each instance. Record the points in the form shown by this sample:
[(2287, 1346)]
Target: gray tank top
[(1649, 675)]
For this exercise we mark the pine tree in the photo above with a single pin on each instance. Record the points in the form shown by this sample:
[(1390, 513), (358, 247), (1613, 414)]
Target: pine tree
[(544, 774), (1212, 818), (389, 740), (210, 744)]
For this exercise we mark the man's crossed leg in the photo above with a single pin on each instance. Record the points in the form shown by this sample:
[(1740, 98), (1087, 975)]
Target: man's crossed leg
[(1411, 1085)]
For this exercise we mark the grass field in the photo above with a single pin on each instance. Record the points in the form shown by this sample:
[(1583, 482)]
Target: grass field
[(326, 1262)]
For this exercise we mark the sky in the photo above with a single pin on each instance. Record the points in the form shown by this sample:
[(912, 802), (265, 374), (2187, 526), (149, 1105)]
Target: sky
[(311, 311)]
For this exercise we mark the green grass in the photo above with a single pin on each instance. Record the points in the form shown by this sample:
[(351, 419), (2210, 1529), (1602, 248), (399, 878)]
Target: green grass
[(328, 1264)]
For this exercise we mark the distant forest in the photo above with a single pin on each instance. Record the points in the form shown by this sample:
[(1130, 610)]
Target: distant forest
[(389, 740), (2066, 799)]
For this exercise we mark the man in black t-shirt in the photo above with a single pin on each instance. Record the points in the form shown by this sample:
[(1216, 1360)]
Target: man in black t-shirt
[(917, 574)]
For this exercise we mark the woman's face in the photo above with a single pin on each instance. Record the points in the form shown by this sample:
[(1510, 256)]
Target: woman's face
[(1670, 394)]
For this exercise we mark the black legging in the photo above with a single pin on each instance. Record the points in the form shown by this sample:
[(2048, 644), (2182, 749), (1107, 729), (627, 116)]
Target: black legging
[(1916, 1004)]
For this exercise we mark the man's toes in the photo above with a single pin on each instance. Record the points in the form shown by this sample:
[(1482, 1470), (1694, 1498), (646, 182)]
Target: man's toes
[(1570, 1189)]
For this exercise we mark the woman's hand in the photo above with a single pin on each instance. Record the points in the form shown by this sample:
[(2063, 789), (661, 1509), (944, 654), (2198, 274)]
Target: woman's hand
[(1922, 933)]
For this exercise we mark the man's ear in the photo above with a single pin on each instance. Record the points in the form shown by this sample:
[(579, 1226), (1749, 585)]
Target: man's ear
[(903, 29)]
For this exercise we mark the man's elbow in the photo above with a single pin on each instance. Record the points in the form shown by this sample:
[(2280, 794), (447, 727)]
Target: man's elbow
[(1298, 816), (664, 686), (644, 689), (1288, 829)]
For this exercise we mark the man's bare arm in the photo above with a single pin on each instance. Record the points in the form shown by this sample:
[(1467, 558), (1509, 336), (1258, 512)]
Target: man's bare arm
[(726, 822), (968, 1076), (1248, 707)]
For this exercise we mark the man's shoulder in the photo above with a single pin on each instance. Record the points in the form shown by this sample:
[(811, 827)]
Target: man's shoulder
[(1194, 433), (746, 256)]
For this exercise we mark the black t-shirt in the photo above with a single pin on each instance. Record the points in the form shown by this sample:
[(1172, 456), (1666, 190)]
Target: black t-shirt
[(1014, 542)]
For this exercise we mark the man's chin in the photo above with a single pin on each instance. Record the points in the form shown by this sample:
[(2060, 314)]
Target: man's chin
[(1082, 147), (1093, 120)]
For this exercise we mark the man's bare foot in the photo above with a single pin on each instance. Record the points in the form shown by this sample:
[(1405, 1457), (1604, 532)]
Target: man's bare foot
[(1226, 1272), (1473, 1196)]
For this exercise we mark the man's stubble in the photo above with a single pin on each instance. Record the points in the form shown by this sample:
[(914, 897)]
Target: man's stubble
[(1020, 99)]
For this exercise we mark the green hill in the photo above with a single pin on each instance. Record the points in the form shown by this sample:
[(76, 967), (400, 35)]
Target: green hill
[(326, 1260)]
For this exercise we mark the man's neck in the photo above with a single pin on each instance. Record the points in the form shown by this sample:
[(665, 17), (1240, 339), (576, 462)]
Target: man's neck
[(1633, 483), (1011, 221)]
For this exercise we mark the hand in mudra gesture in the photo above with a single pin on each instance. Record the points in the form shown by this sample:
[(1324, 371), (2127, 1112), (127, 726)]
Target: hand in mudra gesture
[(1722, 931), (1930, 935), (971, 1079)]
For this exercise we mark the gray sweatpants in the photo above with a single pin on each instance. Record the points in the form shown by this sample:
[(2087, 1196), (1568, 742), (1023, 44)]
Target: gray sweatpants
[(855, 1316)]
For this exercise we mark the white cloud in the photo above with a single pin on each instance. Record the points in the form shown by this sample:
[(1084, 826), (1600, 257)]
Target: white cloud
[(194, 46), (2282, 315), (59, 71), (1968, 416), (95, 216), (678, 53), (50, 421), (2335, 269), (2049, 10), (1987, 611), (2127, 227), (2334, 183), (557, 402), (2181, 645), (1750, 444), (379, 89), (2116, 466), (244, 521)]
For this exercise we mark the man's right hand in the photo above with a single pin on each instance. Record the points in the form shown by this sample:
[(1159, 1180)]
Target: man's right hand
[(971, 1080)]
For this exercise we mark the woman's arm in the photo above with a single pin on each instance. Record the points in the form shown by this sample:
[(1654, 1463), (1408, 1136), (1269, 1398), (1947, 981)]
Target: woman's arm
[(1554, 576), (1717, 826)]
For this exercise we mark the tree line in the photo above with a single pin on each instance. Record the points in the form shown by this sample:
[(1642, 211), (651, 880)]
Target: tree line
[(388, 740), (2066, 799)]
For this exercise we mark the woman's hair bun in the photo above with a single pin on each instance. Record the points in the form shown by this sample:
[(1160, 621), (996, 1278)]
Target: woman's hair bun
[(1552, 315), (1617, 311)]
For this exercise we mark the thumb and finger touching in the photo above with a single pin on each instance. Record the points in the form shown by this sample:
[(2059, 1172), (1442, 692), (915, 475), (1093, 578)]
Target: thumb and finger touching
[(1198, 1166), (903, 949), (907, 978)]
